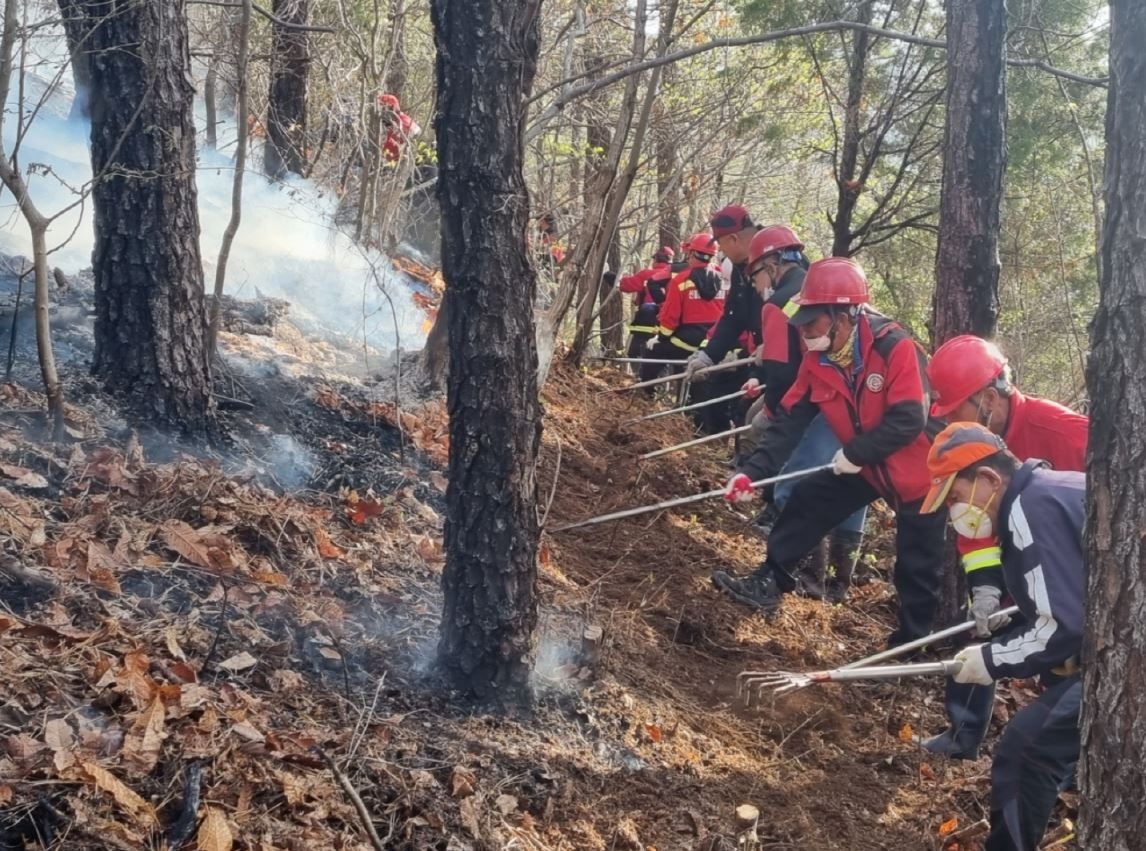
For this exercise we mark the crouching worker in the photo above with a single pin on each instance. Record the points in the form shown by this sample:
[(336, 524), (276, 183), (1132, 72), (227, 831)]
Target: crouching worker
[(1037, 514)]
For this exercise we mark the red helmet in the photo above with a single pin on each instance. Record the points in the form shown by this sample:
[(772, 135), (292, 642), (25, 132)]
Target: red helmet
[(664, 254), (771, 239), (960, 368), (702, 243), (833, 280), (388, 100)]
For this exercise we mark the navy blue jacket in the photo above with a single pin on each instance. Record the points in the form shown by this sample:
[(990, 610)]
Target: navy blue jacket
[(1041, 516)]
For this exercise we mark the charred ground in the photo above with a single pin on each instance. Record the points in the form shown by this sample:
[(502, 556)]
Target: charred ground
[(222, 626)]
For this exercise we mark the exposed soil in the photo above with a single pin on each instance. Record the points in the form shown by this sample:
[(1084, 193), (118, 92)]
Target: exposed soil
[(243, 616)]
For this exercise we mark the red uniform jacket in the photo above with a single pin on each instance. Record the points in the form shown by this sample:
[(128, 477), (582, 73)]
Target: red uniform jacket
[(392, 147), (694, 299), (879, 412), (639, 284), (1037, 428)]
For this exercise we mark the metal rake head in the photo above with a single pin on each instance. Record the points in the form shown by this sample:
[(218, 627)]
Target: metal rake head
[(750, 685)]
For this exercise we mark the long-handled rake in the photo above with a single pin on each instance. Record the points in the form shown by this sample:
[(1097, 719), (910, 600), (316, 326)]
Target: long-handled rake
[(749, 684), (783, 682)]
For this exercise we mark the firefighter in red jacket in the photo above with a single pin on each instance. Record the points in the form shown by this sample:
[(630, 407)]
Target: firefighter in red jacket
[(648, 288), (693, 303), (971, 382), (865, 375)]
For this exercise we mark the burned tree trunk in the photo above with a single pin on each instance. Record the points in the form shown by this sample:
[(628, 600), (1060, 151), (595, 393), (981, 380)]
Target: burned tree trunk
[(150, 323), (487, 58), (1114, 649), (974, 158), (286, 105)]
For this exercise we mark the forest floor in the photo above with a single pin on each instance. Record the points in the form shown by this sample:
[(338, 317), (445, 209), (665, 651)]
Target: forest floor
[(232, 647)]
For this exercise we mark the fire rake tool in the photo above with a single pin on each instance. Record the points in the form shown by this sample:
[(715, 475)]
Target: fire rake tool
[(720, 367), (750, 683), (686, 500), (732, 432), (782, 682), (685, 408)]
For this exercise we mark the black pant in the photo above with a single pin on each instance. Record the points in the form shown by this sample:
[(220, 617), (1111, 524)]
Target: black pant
[(1037, 751), (713, 419), (637, 341), (824, 500), (662, 351)]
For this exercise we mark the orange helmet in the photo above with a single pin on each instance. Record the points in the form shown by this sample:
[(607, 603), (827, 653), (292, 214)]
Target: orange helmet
[(388, 100), (770, 240), (960, 368)]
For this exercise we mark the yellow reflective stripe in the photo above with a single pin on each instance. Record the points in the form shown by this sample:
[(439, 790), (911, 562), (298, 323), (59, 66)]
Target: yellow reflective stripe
[(686, 286), (668, 332), (790, 308), (681, 344), (643, 329), (980, 559)]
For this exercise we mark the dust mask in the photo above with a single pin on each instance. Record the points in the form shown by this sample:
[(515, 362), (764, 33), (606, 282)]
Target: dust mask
[(818, 344), (971, 521)]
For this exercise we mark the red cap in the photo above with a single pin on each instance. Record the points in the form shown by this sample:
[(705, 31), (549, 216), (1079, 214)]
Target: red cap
[(730, 219), (960, 368)]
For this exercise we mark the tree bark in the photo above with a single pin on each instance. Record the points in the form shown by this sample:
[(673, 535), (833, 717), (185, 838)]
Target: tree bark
[(848, 188), (610, 304), (150, 323), (974, 159), (1114, 649), (668, 177), (286, 105), (487, 58)]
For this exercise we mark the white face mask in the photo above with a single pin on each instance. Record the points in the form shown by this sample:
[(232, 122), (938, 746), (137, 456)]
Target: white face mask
[(971, 521), (818, 344)]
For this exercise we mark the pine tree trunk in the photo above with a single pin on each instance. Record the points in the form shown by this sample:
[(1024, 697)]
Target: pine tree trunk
[(150, 323), (611, 306), (668, 175), (848, 188), (487, 58), (1114, 650), (286, 105), (974, 159)]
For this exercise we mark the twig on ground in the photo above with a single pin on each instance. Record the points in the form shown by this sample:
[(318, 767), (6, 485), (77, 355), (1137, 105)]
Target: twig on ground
[(363, 814)]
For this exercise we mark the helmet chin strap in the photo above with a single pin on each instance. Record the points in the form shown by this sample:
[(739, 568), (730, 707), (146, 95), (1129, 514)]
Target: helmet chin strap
[(979, 418)]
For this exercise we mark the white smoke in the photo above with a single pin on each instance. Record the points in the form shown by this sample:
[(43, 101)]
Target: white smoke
[(287, 245)]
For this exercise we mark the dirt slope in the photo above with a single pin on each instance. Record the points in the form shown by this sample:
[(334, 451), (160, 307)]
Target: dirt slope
[(172, 627)]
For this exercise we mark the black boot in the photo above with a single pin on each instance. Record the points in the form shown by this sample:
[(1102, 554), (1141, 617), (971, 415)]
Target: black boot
[(810, 573), (843, 553), (760, 590), (767, 518), (969, 708)]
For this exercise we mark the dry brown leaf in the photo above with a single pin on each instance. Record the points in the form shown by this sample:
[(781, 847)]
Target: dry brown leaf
[(438, 481), (144, 740), (906, 733), (239, 662), (214, 833), (505, 804), (58, 734), (6, 793), (173, 645), (429, 549), (123, 795), (326, 547), (949, 826), (184, 540), (294, 788), (654, 732), (22, 747), (24, 477), (248, 732)]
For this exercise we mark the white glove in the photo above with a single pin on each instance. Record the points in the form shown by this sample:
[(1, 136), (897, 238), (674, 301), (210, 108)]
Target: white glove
[(841, 466), (697, 361), (984, 609), (758, 355), (973, 666), (651, 343)]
